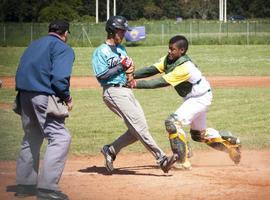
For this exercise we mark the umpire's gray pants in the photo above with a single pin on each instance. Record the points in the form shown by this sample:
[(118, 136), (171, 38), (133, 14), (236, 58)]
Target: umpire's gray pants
[(122, 101), (37, 126)]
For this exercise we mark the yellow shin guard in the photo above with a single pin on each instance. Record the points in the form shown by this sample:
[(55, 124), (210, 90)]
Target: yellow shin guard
[(179, 146)]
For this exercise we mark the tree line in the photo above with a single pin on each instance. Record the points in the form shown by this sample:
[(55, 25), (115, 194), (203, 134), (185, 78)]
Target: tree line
[(85, 10)]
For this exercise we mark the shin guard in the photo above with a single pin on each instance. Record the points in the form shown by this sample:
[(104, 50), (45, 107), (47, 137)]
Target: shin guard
[(179, 146)]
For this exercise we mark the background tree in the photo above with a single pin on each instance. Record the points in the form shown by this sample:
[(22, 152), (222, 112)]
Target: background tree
[(170, 8), (151, 11), (235, 7), (10, 10), (131, 9), (259, 8), (58, 10), (206, 9), (78, 10)]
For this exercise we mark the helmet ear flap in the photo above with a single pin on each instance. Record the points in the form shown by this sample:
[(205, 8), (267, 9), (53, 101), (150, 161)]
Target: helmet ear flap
[(110, 29)]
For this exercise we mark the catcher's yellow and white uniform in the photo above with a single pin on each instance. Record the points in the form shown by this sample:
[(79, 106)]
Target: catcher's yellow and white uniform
[(190, 84), (193, 110)]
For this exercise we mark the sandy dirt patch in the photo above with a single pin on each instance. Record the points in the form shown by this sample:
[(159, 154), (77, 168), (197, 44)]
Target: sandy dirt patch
[(137, 177), (216, 81)]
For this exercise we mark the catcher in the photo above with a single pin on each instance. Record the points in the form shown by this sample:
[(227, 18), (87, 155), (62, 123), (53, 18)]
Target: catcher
[(180, 72)]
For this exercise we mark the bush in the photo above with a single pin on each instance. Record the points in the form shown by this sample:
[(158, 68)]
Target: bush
[(58, 11), (87, 19)]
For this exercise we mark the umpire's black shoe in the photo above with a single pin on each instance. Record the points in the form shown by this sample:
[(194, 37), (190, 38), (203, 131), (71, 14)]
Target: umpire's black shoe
[(44, 194), (25, 191), (109, 157), (167, 163)]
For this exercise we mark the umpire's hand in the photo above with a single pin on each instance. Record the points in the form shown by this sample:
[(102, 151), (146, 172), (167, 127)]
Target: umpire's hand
[(69, 104)]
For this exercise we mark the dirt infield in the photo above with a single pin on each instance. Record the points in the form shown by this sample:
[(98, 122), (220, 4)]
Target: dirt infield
[(216, 81), (137, 177)]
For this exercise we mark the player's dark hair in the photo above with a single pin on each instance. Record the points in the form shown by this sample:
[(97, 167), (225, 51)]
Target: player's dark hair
[(59, 27), (180, 41)]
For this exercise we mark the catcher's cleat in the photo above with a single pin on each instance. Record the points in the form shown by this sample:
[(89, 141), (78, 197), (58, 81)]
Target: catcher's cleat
[(235, 154), (234, 149), (167, 163), (109, 158), (183, 166)]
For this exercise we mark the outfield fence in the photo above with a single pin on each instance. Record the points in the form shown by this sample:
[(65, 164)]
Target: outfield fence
[(157, 32)]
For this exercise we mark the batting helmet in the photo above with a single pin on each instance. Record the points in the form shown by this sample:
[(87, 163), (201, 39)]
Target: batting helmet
[(116, 22)]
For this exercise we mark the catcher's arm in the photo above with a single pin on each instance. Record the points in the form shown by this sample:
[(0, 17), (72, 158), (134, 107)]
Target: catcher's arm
[(146, 72), (148, 84)]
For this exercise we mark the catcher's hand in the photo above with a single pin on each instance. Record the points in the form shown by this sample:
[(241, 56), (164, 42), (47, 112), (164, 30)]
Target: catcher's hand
[(132, 84), (130, 73), (129, 76)]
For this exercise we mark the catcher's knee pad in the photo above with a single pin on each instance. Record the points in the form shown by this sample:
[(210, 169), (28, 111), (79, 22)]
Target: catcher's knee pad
[(179, 146), (171, 124), (197, 136)]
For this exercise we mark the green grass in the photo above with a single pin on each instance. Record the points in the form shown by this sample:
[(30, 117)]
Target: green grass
[(244, 112), (211, 59)]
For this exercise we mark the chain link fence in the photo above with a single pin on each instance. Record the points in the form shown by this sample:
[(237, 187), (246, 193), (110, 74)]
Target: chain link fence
[(157, 32)]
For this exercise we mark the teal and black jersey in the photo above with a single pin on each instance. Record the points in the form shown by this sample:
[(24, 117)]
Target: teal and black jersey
[(106, 58)]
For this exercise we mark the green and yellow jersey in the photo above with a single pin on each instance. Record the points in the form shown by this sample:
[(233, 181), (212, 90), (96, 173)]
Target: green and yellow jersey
[(182, 74), (176, 72)]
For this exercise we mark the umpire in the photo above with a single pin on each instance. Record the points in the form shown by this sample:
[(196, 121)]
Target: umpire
[(44, 69)]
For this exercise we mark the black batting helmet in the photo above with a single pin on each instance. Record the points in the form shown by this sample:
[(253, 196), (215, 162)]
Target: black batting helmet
[(116, 22)]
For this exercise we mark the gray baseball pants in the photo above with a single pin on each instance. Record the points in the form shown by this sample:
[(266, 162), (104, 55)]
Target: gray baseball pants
[(122, 101), (37, 126)]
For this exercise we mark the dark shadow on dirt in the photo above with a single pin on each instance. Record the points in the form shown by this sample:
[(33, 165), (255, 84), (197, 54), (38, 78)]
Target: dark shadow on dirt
[(123, 171), (15, 188), (12, 188)]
